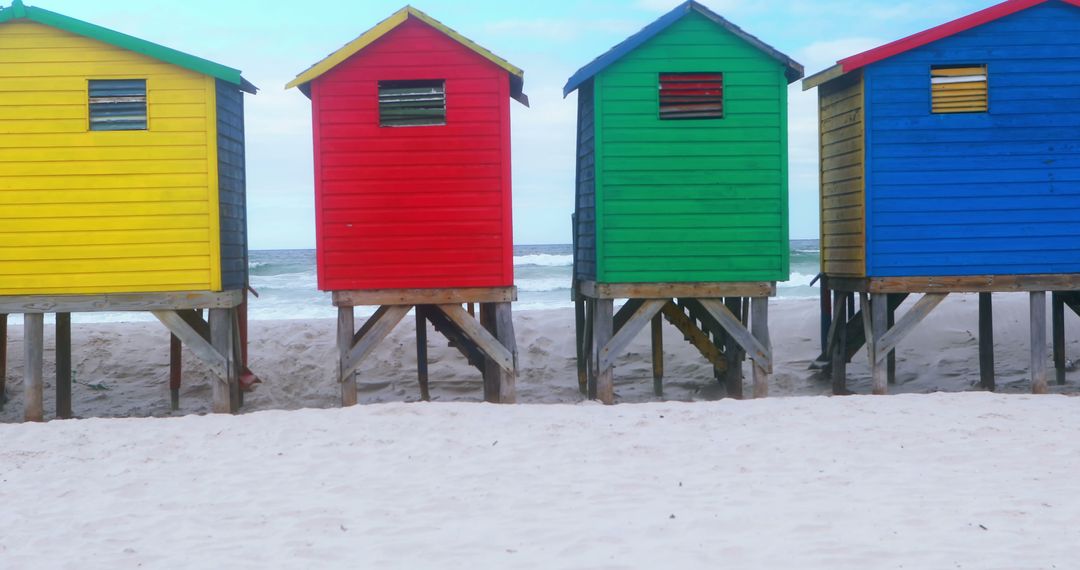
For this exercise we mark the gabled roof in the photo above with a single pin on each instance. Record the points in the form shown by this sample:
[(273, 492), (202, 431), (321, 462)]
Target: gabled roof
[(923, 38), (794, 69), (517, 76), (17, 11)]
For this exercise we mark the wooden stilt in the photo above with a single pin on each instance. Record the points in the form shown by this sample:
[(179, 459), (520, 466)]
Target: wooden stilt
[(826, 313), (579, 339), (346, 328), (63, 366), (603, 330), (422, 356), (222, 333), (759, 324), (491, 370), (589, 344), (33, 363), (838, 356), (733, 354), (1038, 343), (890, 360), (1058, 316), (3, 359), (504, 322), (658, 355), (986, 341), (175, 370), (879, 326)]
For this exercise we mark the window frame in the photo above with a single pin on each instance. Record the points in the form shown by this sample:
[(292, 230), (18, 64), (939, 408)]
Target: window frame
[(90, 103), (660, 82), (418, 84), (941, 66)]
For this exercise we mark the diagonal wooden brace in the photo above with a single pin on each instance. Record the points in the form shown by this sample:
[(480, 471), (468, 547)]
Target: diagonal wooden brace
[(377, 328), (634, 324), (195, 341), (484, 340), (757, 352), (906, 324)]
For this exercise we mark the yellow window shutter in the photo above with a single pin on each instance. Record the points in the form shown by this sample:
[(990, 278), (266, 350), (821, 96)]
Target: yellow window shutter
[(959, 89)]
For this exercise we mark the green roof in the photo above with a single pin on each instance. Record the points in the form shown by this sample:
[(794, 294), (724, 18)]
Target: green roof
[(17, 11)]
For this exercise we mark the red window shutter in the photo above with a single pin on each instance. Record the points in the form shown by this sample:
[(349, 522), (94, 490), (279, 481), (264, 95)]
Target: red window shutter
[(691, 95)]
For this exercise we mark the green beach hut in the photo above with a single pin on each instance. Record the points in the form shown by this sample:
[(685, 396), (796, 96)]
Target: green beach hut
[(682, 184)]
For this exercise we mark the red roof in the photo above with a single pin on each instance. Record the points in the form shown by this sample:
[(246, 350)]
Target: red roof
[(943, 31)]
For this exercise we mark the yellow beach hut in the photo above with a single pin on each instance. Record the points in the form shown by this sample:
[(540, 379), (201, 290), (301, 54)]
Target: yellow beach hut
[(122, 188)]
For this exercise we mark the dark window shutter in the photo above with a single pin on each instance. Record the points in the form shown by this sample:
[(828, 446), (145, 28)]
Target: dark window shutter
[(412, 103), (118, 105), (691, 95)]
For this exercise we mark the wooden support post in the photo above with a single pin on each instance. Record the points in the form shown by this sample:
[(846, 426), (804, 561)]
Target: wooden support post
[(33, 363), (603, 330), (590, 351), (346, 328), (3, 359), (504, 332), (878, 327), (890, 362), (63, 366), (176, 369), (986, 341), (838, 356), (222, 337), (733, 354), (579, 339), (658, 355), (1038, 343), (490, 369), (421, 355), (1058, 316), (826, 313), (759, 325)]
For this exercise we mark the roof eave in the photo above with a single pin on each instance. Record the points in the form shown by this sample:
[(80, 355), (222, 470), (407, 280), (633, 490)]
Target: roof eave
[(823, 77)]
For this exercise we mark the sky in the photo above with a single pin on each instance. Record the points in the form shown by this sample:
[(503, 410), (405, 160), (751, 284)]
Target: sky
[(271, 41)]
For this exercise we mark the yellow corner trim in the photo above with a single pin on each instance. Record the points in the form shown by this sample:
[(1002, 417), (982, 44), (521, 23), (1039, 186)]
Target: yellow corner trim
[(213, 185)]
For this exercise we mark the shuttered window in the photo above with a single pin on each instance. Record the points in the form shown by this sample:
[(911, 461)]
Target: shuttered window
[(118, 105), (691, 95), (959, 89), (412, 103)]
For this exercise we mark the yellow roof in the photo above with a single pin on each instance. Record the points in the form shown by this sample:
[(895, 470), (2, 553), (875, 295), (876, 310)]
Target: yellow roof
[(391, 23)]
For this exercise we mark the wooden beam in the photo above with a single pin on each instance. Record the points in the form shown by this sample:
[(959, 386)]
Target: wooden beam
[(425, 296), (370, 322), (890, 322), (504, 321), (759, 324), (1038, 343), (626, 311), (378, 332), (455, 336), (63, 366), (590, 350), (890, 340), (1058, 316), (422, 356), (484, 340), (222, 335), (676, 290), (194, 319), (175, 370), (490, 370), (694, 335), (626, 334), (3, 358), (658, 355), (33, 365), (603, 330), (757, 352), (986, 341), (838, 357), (879, 307), (198, 345), (579, 338), (734, 355), (124, 302), (965, 284)]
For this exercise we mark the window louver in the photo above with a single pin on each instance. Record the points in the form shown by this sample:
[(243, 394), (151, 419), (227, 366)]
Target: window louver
[(118, 105), (691, 95), (412, 103), (959, 89)]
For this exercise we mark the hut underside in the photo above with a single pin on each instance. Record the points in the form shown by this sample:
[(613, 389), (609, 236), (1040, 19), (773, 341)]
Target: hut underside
[(726, 322), (217, 340), (486, 340), (875, 326)]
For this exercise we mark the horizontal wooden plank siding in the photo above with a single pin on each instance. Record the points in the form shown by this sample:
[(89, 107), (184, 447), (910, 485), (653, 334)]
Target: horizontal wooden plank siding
[(692, 200), (843, 181), (585, 228), (100, 212), (413, 207), (232, 186), (980, 193)]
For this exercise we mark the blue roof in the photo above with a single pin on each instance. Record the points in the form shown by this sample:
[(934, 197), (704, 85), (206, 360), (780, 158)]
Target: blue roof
[(794, 69)]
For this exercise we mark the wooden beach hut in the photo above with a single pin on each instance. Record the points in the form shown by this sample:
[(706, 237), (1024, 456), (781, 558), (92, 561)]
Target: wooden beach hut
[(413, 192), (682, 194), (950, 163), (121, 189)]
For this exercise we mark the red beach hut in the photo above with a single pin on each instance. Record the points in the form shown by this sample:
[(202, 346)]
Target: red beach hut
[(413, 189)]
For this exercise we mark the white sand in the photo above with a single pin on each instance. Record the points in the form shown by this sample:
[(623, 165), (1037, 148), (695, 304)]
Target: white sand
[(926, 482), (128, 363)]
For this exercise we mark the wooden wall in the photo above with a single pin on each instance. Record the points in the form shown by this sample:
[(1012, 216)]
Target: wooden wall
[(585, 237), (232, 179), (102, 212), (692, 200), (993, 193), (843, 196), (413, 207)]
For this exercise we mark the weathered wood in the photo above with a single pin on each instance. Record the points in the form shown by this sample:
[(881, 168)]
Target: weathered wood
[(121, 302), (733, 354), (676, 290), (195, 320), (1038, 343), (422, 356), (838, 358), (734, 327), (457, 338), (626, 334), (3, 358), (1058, 317), (658, 355), (879, 306), (590, 352), (504, 320), (603, 330), (369, 323), (175, 370), (579, 339), (377, 332), (425, 296), (33, 365), (907, 323), (694, 335), (966, 284), (63, 366), (626, 311), (198, 345), (484, 340), (490, 370), (986, 341), (759, 326), (222, 331), (890, 322)]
